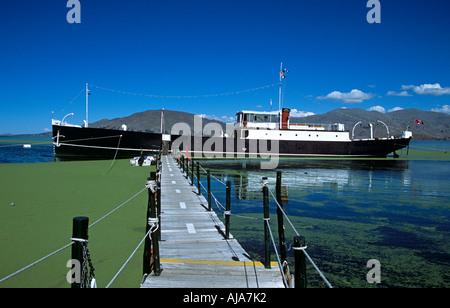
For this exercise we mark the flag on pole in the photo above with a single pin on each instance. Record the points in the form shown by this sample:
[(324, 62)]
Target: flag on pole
[(419, 122)]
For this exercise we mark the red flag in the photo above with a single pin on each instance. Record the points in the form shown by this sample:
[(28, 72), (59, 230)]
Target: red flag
[(419, 122)]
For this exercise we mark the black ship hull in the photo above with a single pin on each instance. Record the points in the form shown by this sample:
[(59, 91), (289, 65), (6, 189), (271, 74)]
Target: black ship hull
[(95, 143), (226, 147), (71, 142)]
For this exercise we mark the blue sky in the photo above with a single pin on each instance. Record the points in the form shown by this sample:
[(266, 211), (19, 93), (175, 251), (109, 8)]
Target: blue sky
[(181, 53)]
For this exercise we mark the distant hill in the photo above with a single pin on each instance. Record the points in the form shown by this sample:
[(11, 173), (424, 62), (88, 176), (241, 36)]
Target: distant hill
[(150, 121), (436, 127)]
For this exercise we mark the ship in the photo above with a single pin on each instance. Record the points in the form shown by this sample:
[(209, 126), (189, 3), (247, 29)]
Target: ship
[(254, 134)]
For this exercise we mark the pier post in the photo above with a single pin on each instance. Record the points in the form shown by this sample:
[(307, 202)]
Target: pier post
[(198, 178), (227, 210), (79, 236), (187, 168), (300, 262), (153, 243), (265, 190), (208, 178), (281, 228), (158, 206), (192, 171)]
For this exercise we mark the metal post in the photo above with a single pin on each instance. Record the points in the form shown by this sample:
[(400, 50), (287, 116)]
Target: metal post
[(265, 190), (281, 228), (227, 210), (300, 262), (208, 178), (198, 178), (79, 235)]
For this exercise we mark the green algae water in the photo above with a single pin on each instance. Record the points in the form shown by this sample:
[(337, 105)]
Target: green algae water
[(351, 211), (37, 204)]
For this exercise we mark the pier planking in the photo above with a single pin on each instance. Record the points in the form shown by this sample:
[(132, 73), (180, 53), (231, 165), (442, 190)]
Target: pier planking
[(193, 251)]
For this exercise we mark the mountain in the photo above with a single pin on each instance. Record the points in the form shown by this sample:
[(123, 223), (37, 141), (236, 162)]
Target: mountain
[(150, 121), (436, 125)]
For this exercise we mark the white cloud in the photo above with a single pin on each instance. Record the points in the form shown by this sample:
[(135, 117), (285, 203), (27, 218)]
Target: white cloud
[(224, 119), (395, 109), (301, 114), (403, 93), (444, 109), (354, 96), (428, 89), (377, 108)]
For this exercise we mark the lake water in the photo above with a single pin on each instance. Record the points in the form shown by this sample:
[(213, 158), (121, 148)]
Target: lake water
[(12, 149), (350, 211)]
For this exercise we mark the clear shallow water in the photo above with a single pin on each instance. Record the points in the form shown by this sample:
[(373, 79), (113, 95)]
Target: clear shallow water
[(351, 211)]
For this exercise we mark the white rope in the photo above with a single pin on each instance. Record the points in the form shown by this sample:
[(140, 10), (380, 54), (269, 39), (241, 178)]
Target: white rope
[(276, 253), (35, 262), (115, 155), (129, 258), (118, 207), (304, 248), (73, 239), (284, 213)]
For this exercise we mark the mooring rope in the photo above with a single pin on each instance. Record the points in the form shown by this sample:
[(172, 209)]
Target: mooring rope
[(304, 251)]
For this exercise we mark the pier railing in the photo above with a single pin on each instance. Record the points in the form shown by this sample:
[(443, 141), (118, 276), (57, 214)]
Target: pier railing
[(82, 270), (192, 168)]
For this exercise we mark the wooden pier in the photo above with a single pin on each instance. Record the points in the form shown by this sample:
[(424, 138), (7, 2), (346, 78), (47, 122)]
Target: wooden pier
[(193, 251)]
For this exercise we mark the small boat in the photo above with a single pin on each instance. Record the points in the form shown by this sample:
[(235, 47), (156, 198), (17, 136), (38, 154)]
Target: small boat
[(143, 160)]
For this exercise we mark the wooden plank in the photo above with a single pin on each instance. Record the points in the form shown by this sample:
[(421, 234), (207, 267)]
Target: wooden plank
[(193, 251)]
